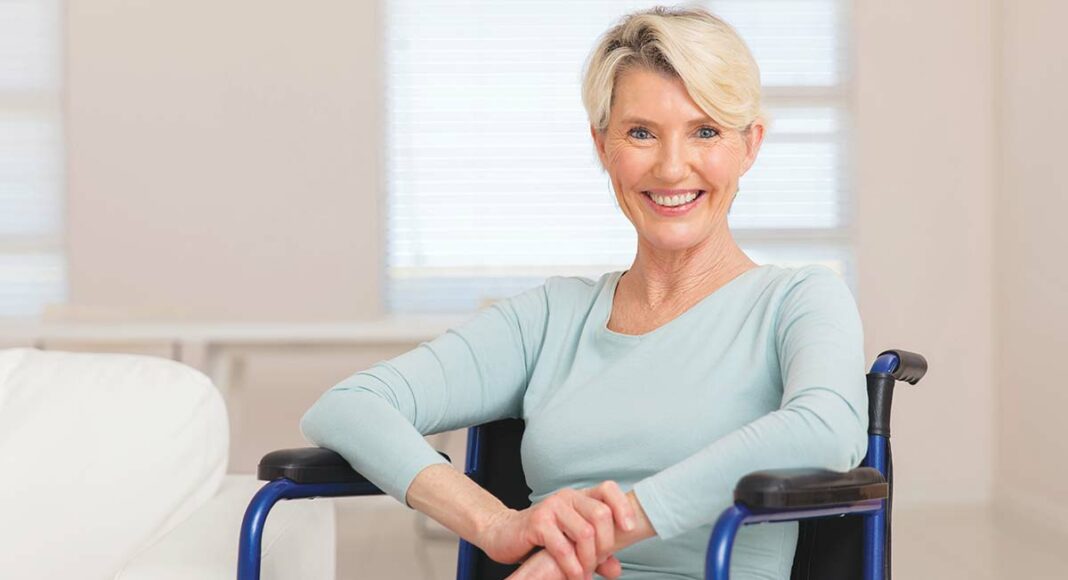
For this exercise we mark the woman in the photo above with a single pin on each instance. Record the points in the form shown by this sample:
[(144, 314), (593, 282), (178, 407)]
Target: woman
[(668, 381)]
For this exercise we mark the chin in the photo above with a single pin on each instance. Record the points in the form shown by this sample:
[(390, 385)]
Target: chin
[(673, 241)]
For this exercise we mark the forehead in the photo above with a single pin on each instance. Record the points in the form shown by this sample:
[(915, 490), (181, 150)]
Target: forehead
[(654, 96)]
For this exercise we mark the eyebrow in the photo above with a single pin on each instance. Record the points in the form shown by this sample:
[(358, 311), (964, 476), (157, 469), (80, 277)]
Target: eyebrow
[(694, 121)]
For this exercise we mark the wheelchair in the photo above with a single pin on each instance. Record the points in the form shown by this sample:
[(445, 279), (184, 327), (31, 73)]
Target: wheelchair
[(844, 517)]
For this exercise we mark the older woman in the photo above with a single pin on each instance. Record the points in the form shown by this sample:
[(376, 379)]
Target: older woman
[(647, 393)]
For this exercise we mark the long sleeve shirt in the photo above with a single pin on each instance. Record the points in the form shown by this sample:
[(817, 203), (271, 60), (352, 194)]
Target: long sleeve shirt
[(765, 372)]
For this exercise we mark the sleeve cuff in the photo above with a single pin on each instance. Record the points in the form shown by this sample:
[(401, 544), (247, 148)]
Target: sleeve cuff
[(398, 486), (659, 516)]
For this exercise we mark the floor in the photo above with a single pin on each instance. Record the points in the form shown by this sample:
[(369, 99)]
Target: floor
[(380, 539)]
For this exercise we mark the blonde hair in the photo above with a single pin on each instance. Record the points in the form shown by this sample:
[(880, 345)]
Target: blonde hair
[(691, 44)]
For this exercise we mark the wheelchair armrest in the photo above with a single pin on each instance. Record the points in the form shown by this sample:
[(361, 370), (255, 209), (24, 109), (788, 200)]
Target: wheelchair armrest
[(804, 488), (310, 465)]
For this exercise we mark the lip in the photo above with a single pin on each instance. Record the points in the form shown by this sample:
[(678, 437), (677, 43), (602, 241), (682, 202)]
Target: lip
[(671, 191), (677, 210)]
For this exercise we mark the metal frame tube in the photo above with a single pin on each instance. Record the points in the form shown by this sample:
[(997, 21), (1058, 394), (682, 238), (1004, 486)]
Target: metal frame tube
[(721, 542), (251, 542)]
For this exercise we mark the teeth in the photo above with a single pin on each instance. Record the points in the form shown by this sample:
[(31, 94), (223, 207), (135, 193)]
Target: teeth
[(673, 200)]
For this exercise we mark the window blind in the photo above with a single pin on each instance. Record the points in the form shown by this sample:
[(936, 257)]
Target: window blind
[(32, 270), (492, 180)]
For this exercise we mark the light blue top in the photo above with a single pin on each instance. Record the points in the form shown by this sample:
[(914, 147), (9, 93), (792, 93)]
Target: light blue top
[(765, 372)]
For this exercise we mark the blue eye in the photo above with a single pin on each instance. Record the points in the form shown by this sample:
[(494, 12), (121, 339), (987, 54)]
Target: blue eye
[(707, 132), (639, 133)]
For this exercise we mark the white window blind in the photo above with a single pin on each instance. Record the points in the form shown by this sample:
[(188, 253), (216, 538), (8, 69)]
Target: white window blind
[(32, 269), (492, 181)]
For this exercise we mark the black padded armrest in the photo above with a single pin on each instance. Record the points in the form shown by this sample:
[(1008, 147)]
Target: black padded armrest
[(809, 488), (310, 465)]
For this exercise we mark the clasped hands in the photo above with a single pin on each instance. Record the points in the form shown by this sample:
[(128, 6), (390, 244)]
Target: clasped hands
[(578, 528)]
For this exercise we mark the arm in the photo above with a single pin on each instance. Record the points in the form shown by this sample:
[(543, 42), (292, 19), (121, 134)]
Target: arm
[(478, 373), (821, 422), (472, 374)]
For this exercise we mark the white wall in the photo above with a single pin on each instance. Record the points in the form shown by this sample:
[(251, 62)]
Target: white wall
[(224, 158)]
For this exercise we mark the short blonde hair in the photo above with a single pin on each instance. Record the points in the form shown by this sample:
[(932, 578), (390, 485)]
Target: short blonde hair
[(691, 44)]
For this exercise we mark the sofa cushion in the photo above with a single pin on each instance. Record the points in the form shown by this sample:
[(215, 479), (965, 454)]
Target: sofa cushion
[(102, 455)]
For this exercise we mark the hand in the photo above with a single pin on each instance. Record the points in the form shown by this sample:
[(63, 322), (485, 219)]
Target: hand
[(577, 528), (542, 566)]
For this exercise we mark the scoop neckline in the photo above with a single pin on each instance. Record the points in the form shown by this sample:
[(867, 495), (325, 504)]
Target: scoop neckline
[(614, 284)]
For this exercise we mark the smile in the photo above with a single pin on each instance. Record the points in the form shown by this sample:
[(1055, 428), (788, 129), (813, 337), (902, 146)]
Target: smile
[(675, 203)]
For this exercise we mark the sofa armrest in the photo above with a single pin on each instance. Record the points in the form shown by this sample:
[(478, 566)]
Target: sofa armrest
[(310, 465), (792, 489)]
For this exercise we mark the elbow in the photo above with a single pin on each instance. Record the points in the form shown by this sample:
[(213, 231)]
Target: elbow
[(848, 444), (839, 443), (857, 447), (314, 419)]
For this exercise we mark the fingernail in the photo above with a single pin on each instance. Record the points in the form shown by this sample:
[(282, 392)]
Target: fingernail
[(628, 524)]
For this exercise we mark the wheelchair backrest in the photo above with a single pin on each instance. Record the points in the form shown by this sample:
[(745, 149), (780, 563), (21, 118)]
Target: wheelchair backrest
[(494, 462)]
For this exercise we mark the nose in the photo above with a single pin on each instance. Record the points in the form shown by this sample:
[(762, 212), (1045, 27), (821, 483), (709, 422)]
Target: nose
[(672, 164)]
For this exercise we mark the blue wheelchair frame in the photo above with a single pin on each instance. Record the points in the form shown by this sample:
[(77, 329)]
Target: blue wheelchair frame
[(720, 543)]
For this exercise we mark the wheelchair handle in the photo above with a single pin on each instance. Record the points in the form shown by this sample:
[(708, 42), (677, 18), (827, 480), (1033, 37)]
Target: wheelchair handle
[(901, 364), (889, 367)]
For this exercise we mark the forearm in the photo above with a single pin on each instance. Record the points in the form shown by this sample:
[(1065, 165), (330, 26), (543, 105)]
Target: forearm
[(371, 434), (455, 501)]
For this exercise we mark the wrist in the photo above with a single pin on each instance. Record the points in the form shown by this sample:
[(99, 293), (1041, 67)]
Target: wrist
[(487, 524), (643, 528)]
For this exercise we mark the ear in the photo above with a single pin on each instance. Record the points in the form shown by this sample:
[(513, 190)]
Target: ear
[(753, 137), (598, 144)]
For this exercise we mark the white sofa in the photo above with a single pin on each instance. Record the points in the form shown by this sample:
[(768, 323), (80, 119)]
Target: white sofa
[(114, 467)]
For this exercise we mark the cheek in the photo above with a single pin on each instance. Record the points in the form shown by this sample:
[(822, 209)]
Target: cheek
[(630, 166), (721, 166)]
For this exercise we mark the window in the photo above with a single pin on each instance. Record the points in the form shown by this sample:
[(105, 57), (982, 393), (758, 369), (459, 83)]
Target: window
[(32, 270), (492, 181)]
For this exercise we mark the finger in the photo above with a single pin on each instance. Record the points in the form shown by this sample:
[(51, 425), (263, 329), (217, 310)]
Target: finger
[(559, 547), (610, 568), (539, 567), (610, 493), (599, 515), (582, 534)]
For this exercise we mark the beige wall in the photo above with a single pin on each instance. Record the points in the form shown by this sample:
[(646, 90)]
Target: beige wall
[(925, 138), (223, 158), (1031, 299), (236, 145)]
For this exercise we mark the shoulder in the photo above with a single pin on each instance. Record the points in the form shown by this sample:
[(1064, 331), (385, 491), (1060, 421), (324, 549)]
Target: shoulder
[(557, 294), (569, 291), (791, 283), (813, 292)]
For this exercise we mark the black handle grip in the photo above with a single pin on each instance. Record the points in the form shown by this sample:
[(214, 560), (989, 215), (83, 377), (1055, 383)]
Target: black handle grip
[(911, 366)]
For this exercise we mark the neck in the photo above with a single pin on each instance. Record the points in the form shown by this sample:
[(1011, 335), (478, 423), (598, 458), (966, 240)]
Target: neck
[(680, 277)]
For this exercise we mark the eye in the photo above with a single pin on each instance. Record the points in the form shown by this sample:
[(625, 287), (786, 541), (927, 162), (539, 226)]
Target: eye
[(639, 133), (707, 132)]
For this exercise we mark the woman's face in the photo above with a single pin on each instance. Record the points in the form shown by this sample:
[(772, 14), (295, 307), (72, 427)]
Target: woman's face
[(660, 146)]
